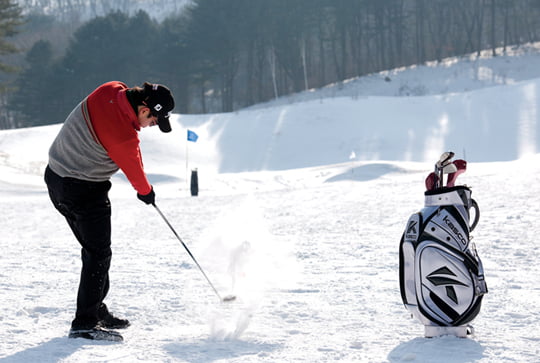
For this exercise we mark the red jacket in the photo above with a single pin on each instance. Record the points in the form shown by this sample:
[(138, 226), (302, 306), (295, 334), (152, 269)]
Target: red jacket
[(115, 125)]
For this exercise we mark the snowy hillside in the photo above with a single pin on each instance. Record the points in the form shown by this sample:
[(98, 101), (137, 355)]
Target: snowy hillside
[(451, 75), (301, 208)]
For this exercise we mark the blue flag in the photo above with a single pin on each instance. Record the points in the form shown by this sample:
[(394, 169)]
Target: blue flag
[(192, 136)]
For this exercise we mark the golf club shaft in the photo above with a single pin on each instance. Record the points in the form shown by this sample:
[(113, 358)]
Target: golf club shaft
[(188, 251)]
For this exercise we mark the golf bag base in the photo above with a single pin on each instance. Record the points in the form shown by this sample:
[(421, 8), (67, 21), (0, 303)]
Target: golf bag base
[(441, 276), (431, 331)]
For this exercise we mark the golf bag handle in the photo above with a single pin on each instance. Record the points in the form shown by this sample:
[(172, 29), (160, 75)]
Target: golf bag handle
[(476, 214)]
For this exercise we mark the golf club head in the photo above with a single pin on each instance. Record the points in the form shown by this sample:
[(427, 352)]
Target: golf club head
[(432, 181), (444, 159), (461, 167), (449, 168)]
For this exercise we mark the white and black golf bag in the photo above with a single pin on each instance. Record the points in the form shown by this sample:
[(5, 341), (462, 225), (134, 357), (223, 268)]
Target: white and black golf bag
[(441, 276)]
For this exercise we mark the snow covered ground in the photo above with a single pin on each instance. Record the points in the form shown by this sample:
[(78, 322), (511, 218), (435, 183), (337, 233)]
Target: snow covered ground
[(300, 212)]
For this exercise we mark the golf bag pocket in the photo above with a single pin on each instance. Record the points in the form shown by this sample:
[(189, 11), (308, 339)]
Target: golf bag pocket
[(441, 275)]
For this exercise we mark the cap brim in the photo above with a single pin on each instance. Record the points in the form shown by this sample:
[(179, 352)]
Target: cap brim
[(164, 124)]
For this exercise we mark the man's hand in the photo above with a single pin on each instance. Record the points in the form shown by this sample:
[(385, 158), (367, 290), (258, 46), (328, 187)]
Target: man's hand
[(149, 198)]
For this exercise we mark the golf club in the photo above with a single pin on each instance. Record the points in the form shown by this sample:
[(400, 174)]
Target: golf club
[(224, 299), (444, 160)]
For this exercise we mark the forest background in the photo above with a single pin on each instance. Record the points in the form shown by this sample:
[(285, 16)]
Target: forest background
[(221, 56)]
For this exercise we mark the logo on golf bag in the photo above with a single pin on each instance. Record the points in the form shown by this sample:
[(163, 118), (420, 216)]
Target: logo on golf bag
[(454, 229), (445, 277), (445, 291), (412, 227)]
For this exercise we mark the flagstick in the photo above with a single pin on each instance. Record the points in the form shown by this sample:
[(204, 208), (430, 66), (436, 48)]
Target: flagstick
[(187, 158)]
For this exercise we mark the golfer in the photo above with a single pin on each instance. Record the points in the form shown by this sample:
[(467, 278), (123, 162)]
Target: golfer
[(99, 137)]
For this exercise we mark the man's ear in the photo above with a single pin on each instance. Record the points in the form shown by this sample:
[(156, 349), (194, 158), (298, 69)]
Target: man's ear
[(142, 110), (149, 114)]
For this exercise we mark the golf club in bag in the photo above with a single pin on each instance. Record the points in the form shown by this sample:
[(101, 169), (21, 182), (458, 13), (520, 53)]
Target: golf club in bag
[(224, 299), (440, 273)]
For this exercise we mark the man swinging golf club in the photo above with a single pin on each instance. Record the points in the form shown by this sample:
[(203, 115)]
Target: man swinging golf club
[(99, 137)]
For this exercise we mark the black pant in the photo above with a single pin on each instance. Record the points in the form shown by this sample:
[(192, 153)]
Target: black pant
[(87, 209)]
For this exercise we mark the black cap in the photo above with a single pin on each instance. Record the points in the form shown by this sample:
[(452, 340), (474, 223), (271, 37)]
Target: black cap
[(161, 102)]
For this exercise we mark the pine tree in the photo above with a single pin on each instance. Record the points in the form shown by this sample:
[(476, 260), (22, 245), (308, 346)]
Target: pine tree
[(10, 19), (35, 81)]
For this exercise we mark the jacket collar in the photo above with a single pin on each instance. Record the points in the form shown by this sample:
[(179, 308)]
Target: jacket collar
[(127, 109)]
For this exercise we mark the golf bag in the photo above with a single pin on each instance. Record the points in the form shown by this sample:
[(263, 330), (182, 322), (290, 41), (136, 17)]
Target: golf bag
[(441, 276)]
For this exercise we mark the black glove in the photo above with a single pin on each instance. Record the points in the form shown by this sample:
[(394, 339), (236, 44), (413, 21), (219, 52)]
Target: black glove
[(149, 198)]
